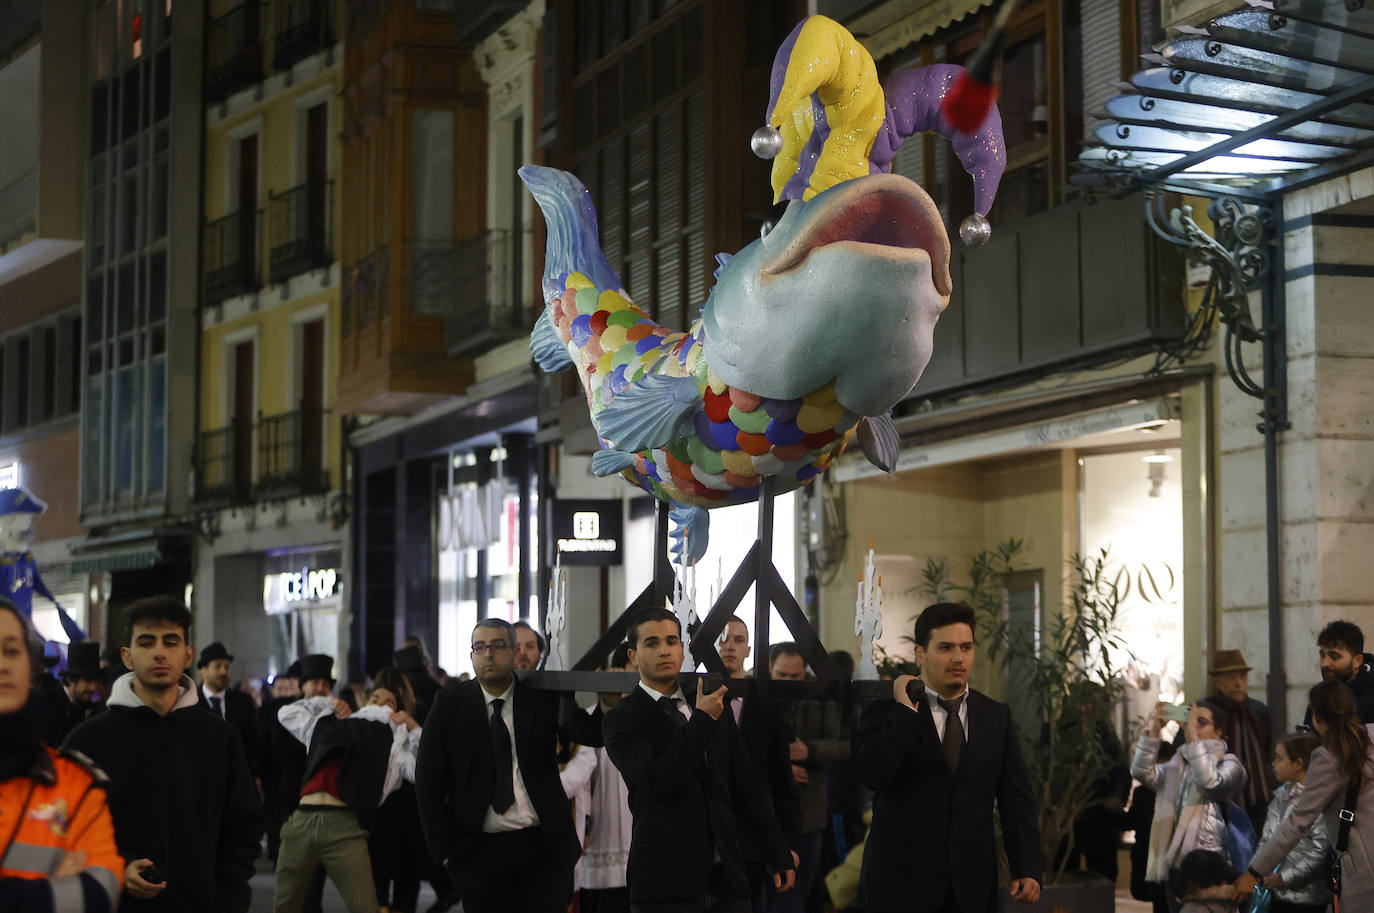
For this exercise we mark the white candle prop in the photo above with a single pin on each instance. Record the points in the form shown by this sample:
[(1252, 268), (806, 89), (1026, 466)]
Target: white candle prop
[(557, 617), (868, 619)]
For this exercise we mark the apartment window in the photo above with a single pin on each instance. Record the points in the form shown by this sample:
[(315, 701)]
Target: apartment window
[(36, 368)]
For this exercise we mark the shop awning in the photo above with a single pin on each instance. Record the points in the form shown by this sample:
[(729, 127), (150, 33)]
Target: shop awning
[(1264, 99), (892, 26), (122, 559)]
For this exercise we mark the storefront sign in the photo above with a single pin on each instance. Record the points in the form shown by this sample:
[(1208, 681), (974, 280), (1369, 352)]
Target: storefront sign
[(589, 532), (307, 588)]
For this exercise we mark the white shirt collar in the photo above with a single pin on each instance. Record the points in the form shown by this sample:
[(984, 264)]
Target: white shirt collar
[(503, 696), (210, 692), (657, 695), (936, 698)]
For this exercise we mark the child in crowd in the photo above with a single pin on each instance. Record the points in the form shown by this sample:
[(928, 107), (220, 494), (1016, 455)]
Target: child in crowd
[(1202, 883), (1300, 882)]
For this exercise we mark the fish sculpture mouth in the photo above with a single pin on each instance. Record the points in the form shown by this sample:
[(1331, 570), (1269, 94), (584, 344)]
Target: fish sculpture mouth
[(884, 215)]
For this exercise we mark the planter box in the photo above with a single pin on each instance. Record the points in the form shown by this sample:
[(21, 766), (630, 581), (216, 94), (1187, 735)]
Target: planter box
[(1076, 892)]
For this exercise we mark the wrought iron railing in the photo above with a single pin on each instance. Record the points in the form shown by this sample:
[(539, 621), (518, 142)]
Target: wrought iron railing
[(224, 465), (298, 229), (301, 28), (474, 285), (291, 454), (235, 51), (231, 256), (366, 291), (20, 20), (19, 207)]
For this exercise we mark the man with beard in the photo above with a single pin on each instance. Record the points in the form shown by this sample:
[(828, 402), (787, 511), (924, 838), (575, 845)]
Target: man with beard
[(65, 708), (1340, 650), (529, 646), (1249, 731), (491, 802)]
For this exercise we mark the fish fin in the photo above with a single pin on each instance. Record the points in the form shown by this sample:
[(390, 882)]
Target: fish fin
[(548, 348), (609, 462), (690, 533), (721, 259), (649, 413), (573, 243), (881, 444)]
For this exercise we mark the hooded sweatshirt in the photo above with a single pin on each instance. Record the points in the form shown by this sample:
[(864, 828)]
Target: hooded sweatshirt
[(1363, 686), (181, 794)]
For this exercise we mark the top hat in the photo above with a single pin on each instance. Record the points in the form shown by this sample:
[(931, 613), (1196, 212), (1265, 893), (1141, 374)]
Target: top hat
[(83, 660), (317, 665), (408, 659), (213, 652), (1228, 661)]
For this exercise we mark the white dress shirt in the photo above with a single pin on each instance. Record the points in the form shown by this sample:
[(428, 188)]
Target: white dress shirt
[(940, 715), (521, 814), (682, 706), (219, 694)]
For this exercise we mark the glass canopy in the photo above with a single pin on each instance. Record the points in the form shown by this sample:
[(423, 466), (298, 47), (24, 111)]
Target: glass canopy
[(1267, 97)]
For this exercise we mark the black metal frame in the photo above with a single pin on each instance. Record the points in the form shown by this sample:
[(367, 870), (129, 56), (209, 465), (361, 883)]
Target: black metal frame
[(1247, 254)]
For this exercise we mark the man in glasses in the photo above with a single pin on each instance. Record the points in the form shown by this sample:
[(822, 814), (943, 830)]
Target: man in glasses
[(492, 806)]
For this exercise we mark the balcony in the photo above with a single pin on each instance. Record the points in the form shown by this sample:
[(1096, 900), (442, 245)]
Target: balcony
[(20, 20), (235, 51), (291, 454), (290, 459), (474, 285), (224, 466), (303, 27), (298, 229), (19, 208), (366, 291), (231, 256)]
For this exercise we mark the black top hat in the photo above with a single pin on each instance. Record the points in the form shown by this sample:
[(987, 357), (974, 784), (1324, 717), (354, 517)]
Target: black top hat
[(83, 660), (213, 652), (317, 665), (408, 659)]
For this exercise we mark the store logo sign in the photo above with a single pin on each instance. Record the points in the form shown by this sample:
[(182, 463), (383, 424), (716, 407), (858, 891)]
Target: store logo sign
[(586, 525), (303, 589), (588, 532)]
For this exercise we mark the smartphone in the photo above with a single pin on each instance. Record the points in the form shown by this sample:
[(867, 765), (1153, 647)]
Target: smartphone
[(152, 875), (1176, 712), (916, 692)]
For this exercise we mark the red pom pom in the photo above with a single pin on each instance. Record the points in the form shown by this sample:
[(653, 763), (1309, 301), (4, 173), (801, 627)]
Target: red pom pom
[(966, 105)]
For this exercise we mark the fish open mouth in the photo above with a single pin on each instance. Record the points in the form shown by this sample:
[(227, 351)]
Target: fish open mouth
[(884, 211)]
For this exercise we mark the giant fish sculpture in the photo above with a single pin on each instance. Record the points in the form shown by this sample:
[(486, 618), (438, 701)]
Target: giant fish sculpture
[(810, 335)]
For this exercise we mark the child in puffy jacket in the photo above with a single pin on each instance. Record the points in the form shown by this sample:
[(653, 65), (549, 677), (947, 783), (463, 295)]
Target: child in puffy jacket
[(1202, 883), (1300, 882)]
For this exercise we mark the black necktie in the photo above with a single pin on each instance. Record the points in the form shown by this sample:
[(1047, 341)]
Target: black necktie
[(217, 702), (669, 705), (502, 773), (953, 741)]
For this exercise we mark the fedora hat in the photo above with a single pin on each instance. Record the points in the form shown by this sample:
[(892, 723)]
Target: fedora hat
[(317, 665), (408, 659), (1228, 661), (83, 660), (213, 652)]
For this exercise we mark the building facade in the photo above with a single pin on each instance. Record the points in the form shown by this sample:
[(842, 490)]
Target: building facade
[(270, 513), (44, 64)]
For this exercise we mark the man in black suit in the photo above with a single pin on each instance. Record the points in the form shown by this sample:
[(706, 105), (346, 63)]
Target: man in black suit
[(491, 803), (689, 781), (65, 708), (229, 704), (936, 764), (763, 726)]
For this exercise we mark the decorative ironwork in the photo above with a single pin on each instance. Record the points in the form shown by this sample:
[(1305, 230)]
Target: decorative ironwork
[(224, 466), (291, 454), (299, 225), (231, 256), (302, 28), (235, 51), (474, 285)]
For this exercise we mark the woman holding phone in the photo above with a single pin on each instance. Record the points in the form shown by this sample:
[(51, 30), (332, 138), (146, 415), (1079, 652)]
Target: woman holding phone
[(1191, 790), (1346, 756)]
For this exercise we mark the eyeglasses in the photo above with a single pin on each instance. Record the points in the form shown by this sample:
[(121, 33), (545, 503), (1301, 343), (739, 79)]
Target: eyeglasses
[(495, 646)]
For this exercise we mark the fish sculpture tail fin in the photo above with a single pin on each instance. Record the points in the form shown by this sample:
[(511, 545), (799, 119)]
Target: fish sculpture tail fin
[(548, 348), (573, 242)]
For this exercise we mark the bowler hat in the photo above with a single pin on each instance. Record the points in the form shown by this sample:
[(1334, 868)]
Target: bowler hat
[(213, 652), (408, 659), (1228, 661), (317, 665), (83, 660)]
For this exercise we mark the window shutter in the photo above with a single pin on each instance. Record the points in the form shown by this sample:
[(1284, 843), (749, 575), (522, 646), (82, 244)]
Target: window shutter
[(1101, 55)]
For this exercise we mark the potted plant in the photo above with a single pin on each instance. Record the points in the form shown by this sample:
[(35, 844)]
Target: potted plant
[(1068, 682)]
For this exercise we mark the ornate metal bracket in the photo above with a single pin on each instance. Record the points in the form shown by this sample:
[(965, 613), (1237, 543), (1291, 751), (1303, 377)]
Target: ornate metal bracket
[(1240, 257)]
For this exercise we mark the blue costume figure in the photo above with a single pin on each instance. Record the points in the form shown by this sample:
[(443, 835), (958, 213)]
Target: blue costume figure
[(19, 577)]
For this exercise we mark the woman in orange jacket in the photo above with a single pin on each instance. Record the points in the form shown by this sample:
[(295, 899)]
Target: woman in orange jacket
[(57, 846)]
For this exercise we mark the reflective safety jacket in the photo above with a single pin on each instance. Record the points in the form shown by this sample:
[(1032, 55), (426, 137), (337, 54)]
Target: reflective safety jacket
[(59, 808)]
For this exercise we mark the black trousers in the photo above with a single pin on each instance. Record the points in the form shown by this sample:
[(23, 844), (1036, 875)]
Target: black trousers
[(1279, 906), (512, 872), (604, 900)]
